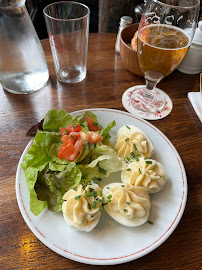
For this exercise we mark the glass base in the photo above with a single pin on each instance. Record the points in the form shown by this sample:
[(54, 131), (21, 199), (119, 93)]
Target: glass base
[(72, 74), (25, 82), (145, 101)]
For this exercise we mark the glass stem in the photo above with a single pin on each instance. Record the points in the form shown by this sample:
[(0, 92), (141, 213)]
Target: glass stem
[(149, 91)]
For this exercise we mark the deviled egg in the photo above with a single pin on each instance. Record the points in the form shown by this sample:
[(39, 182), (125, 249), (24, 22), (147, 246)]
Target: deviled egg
[(129, 206), (131, 139), (147, 173), (81, 208)]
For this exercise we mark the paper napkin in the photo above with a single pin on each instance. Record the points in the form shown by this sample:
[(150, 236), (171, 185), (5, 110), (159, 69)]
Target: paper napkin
[(196, 101)]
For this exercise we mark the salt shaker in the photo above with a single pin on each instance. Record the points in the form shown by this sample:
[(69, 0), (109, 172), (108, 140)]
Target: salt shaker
[(23, 66), (125, 21)]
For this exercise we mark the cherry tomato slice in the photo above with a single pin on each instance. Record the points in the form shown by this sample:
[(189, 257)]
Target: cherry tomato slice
[(63, 131), (69, 129), (66, 149), (73, 136), (91, 124), (77, 149), (73, 128), (91, 137)]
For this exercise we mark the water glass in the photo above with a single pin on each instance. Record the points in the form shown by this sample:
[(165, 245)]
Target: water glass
[(68, 29)]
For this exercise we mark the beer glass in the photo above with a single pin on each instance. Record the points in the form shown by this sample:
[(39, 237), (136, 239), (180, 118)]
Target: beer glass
[(165, 33)]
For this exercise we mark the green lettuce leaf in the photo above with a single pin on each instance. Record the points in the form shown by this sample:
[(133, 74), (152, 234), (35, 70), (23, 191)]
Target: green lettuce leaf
[(49, 177), (104, 161), (47, 187), (52, 185), (36, 157), (82, 119), (54, 119), (50, 142), (105, 131), (36, 206)]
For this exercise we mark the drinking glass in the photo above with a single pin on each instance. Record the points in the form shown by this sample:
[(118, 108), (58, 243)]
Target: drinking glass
[(165, 33), (68, 28)]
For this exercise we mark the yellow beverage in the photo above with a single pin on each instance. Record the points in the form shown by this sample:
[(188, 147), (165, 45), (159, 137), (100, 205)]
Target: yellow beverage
[(161, 48)]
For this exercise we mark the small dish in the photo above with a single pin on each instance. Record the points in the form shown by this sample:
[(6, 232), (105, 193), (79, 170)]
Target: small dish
[(128, 55)]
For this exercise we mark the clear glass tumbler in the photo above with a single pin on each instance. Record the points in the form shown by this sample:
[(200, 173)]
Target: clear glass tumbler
[(23, 66), (68, 28)]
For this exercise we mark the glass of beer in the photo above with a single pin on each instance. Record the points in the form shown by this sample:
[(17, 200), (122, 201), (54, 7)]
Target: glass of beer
[(165, 33)]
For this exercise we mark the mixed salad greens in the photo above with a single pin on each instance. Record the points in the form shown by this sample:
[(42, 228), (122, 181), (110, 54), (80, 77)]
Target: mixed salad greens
[(68, 151)]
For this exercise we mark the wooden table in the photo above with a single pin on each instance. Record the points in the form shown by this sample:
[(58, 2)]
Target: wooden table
[(103, 87)]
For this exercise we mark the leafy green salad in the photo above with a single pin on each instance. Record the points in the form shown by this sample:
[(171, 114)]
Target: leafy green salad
[(68, 151)]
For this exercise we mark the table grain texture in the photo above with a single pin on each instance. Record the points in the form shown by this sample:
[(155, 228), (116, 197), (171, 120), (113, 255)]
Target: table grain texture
[(103, 87)]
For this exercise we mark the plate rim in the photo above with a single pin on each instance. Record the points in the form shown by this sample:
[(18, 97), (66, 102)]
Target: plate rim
[(120, 259)]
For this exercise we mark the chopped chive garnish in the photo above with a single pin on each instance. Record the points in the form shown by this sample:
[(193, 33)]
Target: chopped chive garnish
[(109, 201), (122, 185), (145, 158), (132, 154), (72, 136), (148, 162), (90, 194), (101, 208), (127, 139), (103, 204), (136, 158), (109, 197), (65, 132), (100, 200), (78, 197), (129, 169), (108, 187), (128, 159), (135, 146), (100, 193), (139, 155), (140, 171), (94, 204), (125, 210), (128, 203), (128, 127), (91, 189), (150, 222), (74, 126), (102, 170), (89, 206)]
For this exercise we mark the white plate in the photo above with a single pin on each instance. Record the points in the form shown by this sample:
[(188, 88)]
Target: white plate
[(110, 242)]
